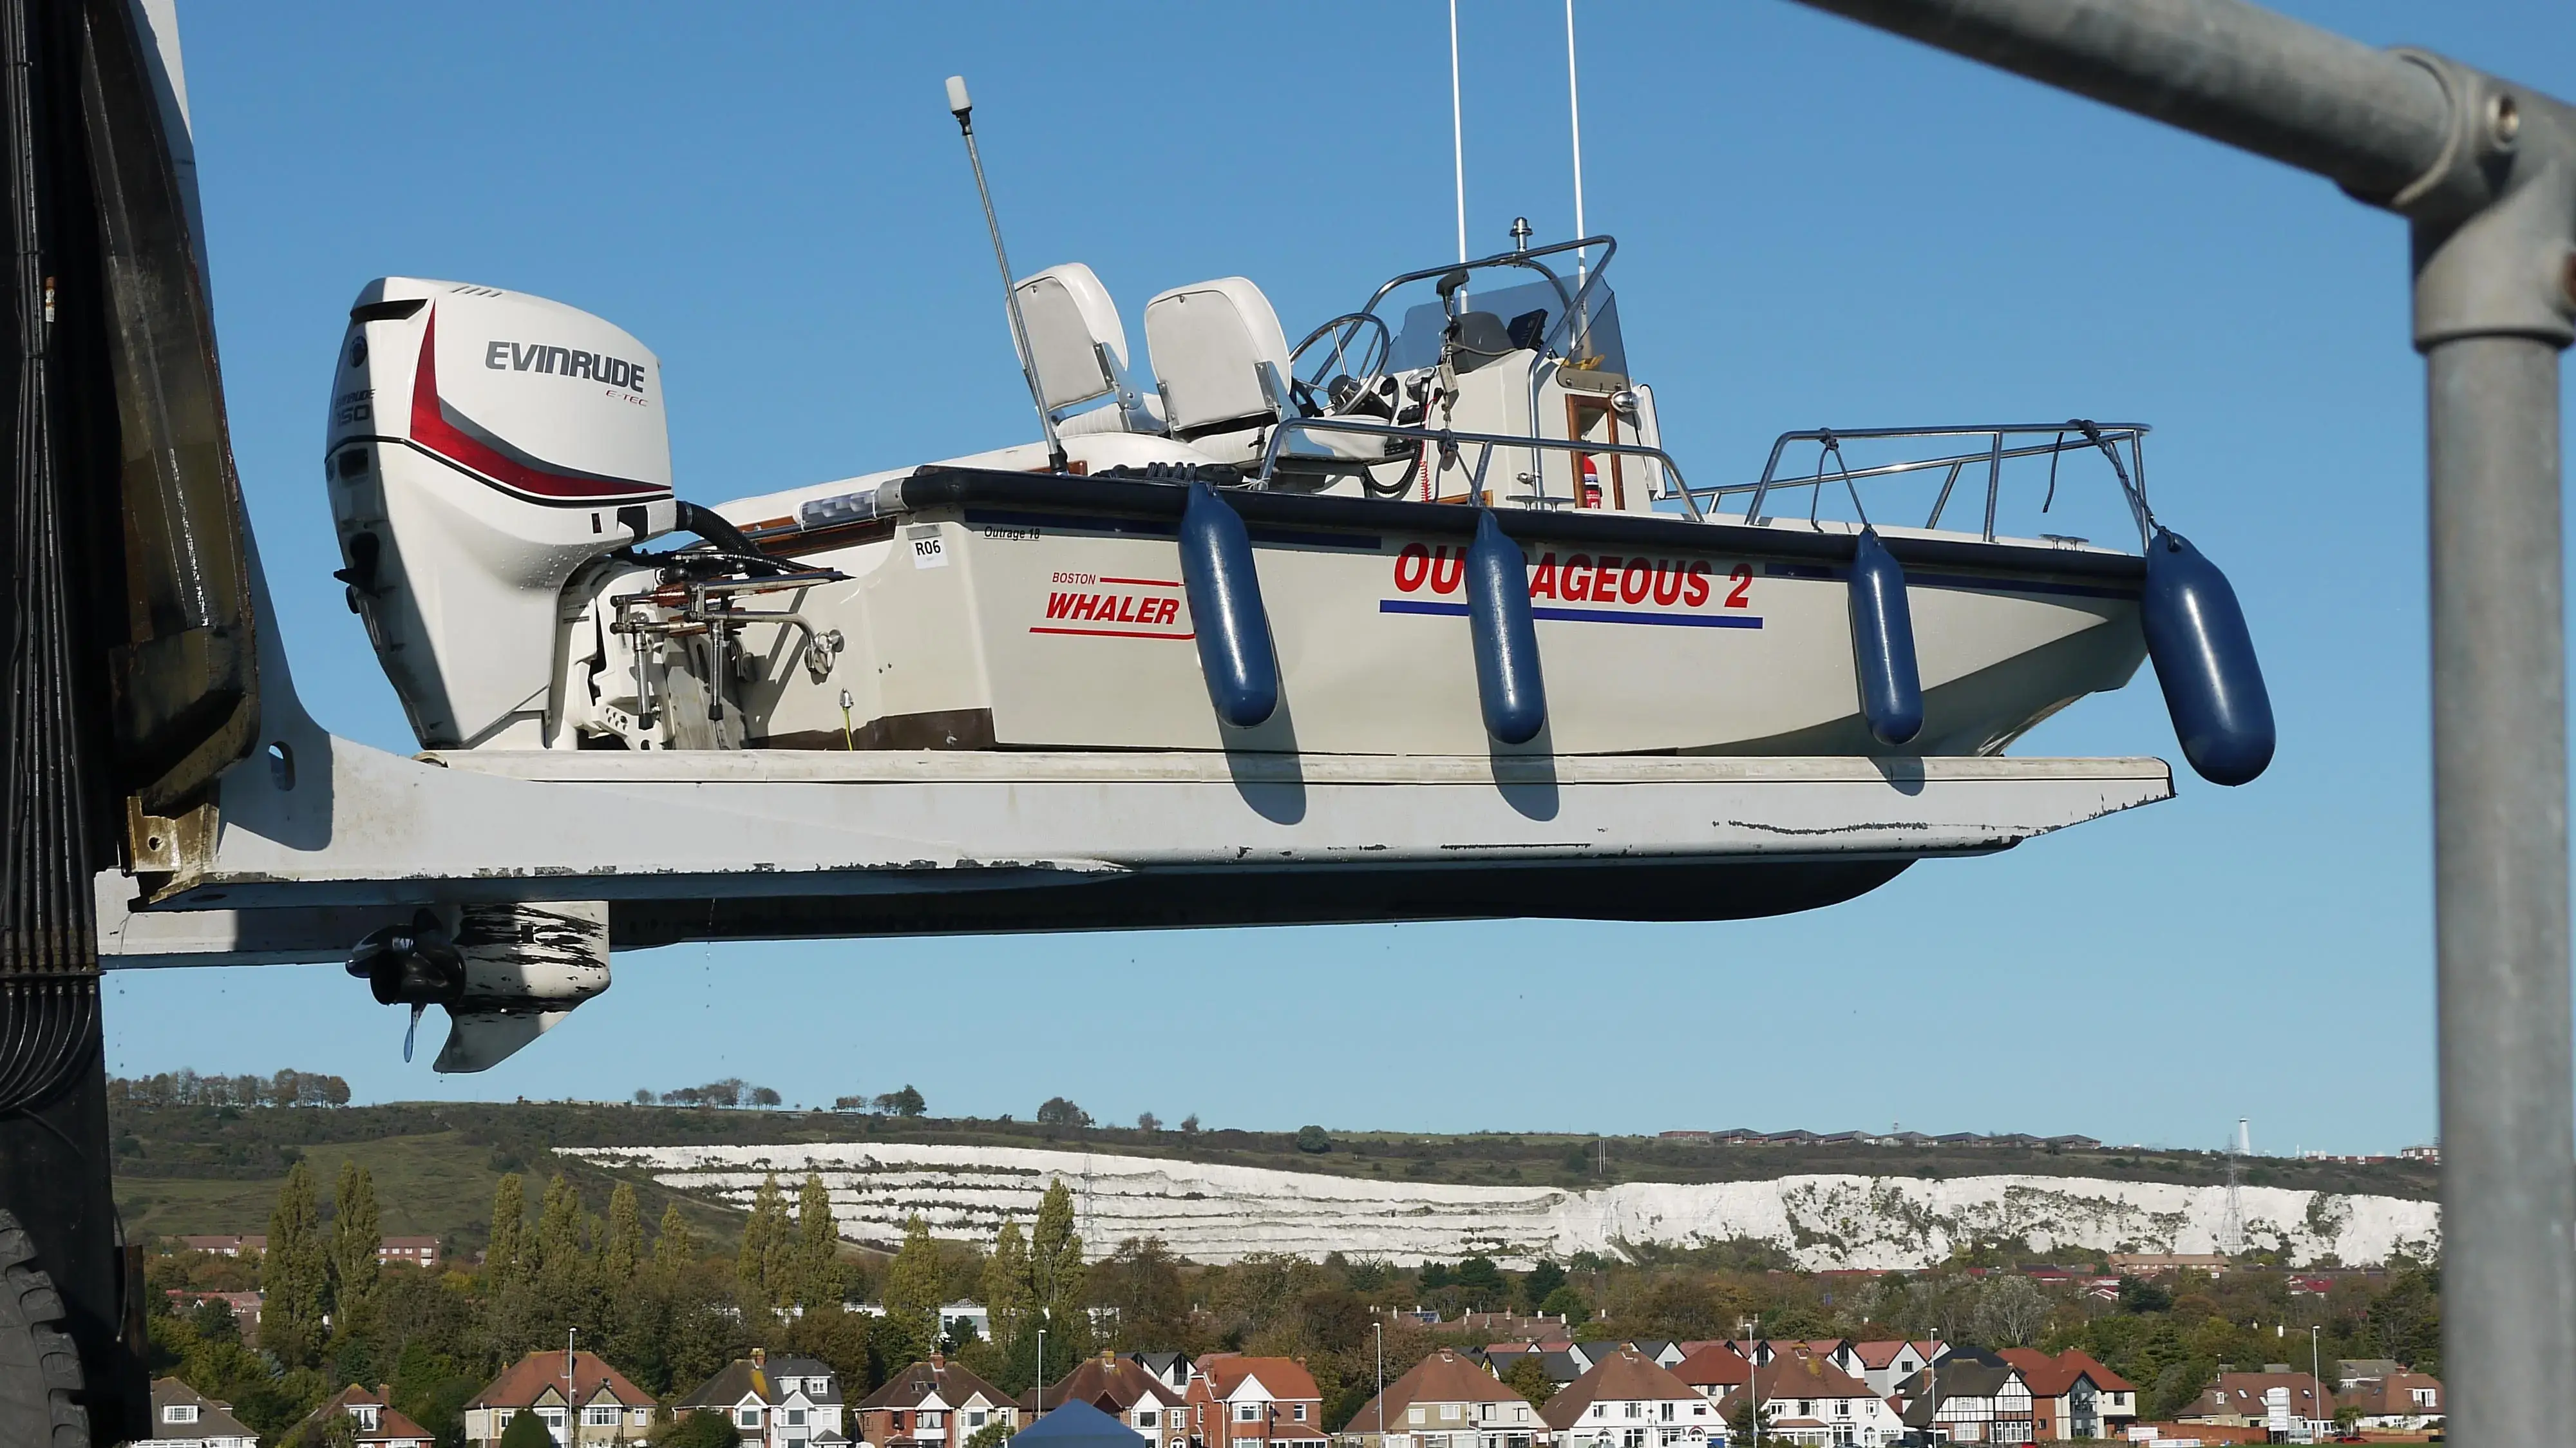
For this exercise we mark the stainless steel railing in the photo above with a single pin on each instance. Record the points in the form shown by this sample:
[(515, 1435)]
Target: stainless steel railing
[(2071, 436)]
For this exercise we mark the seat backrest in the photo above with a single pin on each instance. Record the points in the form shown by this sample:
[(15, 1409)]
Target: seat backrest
[(1071, 320), (1213, 343)]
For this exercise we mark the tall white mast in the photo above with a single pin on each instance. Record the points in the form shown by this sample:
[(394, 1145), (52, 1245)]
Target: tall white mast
[(1457, 132), (1574, 113)]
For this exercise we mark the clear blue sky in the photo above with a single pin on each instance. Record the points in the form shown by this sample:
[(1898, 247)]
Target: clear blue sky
[(1820, 225)]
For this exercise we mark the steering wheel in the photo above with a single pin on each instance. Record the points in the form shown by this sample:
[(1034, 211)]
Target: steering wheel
[(1345, 331)]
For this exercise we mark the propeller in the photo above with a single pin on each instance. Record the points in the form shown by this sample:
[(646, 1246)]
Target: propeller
[(414, 964)]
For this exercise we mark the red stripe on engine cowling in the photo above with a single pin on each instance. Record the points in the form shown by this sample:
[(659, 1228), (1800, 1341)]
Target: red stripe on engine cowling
[(431, 429)]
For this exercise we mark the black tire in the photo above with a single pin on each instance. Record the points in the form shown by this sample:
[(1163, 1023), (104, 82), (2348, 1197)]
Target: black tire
[(40, 1372)]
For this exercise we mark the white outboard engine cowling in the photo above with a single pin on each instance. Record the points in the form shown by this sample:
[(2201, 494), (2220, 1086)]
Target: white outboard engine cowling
[(483, 445)]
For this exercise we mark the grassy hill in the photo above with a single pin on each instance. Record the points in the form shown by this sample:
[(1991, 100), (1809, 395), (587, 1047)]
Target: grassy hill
[(217, 1169)]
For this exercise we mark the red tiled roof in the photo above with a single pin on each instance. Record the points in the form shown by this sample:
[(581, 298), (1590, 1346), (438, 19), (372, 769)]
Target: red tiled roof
[(391, 1426), (1282, 1378), (1881, 1354), (1443, 1377), (523, 1382), (1716, 1365), (1624, 1376)]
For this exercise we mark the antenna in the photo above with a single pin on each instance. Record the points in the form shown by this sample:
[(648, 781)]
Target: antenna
[(963, 108), (1457, 132), (1574, 113), (2231, 1228)]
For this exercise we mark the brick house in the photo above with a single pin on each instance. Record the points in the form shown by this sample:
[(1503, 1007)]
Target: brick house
[(786, 1402), (378, 1426), (933, 1404), (583, 1401), (182, 1417), (1128, 1391), (421, 1252), (1264, 1402), (2073, 1396), (1628, 1400), (1446, 1401)]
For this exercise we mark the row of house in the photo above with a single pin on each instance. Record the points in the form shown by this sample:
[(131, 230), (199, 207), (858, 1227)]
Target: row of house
[(1822, 1393), (418, 1251)]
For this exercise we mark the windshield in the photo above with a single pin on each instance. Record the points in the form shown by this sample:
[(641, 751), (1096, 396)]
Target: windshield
[(1529, 312)]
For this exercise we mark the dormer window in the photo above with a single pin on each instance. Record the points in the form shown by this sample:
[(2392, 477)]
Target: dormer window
[(179, 1413), (365, 1413)]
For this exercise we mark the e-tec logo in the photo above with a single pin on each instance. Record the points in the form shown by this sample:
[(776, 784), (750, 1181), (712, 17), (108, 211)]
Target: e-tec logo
[(564, 362)]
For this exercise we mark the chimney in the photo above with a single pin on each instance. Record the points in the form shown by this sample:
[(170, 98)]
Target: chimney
[(760, 1357)]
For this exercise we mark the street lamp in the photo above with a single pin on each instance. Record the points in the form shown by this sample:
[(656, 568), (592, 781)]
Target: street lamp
[(2316, 1374)]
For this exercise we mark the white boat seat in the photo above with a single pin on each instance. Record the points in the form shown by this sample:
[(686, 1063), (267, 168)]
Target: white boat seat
[(1219, 355), (1078, 348), (1222, 361)]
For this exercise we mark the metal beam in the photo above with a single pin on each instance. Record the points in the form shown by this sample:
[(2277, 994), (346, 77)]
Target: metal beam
[(2486, 170)]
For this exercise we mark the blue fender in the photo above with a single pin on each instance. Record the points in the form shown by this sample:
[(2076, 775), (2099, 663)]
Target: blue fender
[(2205, 661), (1882, 626), (1225, 608), (1498, 619)]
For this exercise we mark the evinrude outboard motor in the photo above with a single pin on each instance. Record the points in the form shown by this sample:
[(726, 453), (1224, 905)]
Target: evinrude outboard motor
[(483, 445)]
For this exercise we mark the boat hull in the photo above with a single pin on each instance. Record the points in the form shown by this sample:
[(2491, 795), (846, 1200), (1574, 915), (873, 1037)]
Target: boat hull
[(1008, 611)]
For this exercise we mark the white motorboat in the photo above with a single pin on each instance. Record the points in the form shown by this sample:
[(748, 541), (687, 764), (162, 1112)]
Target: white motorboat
[(1440, 528)]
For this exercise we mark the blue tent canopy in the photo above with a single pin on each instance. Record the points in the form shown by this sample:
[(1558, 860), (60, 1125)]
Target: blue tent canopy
[(1077, 1424)]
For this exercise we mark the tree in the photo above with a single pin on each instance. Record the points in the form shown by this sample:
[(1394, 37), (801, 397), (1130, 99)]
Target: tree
[(527, 1430), (1057, 1111), (560, 1262), (1528, 1378), (1055, 1258), (2011, 1311), (818, 1242), (621, 1249), (906, 1102), (701, 1430), (505, 1261), (295, 1274), (1739, 1422), (1312, 1139), (1543, 1279), (643, 1095), (1190, 1124), (1483, 1281), (765, 1096), (994, 1434), (1567, 1303), (1148, 1121), (1006, 1283), (2140, 1295), (674, 1245), (356, 1233), (761, 1234), (912, 1292), (1141, 1281)]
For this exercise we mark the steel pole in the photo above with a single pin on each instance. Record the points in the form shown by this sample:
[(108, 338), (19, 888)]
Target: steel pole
[(2486, 171), (2500, 885)]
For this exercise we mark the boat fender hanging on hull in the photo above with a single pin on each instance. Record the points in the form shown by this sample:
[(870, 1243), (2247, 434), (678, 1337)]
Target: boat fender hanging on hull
[(1225, 609), (1508, 682), (1882, 626), (2205, 662)]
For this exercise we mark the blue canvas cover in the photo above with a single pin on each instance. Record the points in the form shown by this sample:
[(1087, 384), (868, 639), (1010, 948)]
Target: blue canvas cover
[(1078, 1425)]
